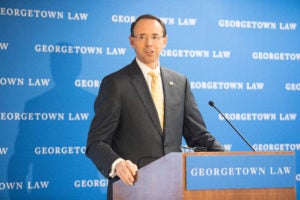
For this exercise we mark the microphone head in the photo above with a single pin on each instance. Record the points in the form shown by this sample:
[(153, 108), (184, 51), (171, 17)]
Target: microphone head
[(211, 103)]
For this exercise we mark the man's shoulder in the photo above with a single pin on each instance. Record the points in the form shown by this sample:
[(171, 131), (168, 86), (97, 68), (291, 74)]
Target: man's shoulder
[(172, 72), (122, 73)]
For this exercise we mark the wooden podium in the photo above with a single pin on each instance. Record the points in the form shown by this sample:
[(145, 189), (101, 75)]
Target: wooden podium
[(165, 179)]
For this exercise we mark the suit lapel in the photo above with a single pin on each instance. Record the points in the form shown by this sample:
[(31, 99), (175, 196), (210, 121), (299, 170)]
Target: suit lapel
[(169, 93), (139, 83)]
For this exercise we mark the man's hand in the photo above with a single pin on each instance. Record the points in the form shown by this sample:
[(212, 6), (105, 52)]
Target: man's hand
[(126, 170)]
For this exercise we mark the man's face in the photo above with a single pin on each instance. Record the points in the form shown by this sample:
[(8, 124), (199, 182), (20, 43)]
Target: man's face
[(148, 41)]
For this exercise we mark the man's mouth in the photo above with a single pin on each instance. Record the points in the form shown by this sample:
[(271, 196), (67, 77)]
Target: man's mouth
[(149, 52)]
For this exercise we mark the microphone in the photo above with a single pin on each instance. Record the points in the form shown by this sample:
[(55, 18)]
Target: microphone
[(195, 149), (212, 104)]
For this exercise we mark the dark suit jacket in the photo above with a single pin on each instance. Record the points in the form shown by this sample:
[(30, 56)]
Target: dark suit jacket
[(126, 123)]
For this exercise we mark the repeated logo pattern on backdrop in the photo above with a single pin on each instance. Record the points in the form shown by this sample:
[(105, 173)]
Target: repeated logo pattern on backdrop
[(245, 56)]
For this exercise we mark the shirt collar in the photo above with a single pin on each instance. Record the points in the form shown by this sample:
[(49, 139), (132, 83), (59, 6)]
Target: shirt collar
[(145, 69)]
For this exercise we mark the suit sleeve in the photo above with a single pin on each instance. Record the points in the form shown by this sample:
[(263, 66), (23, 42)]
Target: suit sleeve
[(103, 126), (195, 132)]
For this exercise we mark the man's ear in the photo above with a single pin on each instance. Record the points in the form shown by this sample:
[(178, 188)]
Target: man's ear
[(131, 41), (165, 41)]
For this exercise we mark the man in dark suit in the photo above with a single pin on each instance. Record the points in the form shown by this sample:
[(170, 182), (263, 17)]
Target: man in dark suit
[(128, 130)]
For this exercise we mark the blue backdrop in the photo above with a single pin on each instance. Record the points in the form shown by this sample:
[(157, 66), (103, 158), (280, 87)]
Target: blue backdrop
[(243, 55)]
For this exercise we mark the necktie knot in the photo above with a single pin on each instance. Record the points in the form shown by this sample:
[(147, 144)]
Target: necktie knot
[(153, 75)]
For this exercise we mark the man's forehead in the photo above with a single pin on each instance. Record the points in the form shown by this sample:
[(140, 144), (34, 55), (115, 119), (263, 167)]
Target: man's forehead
[(148, 25)]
